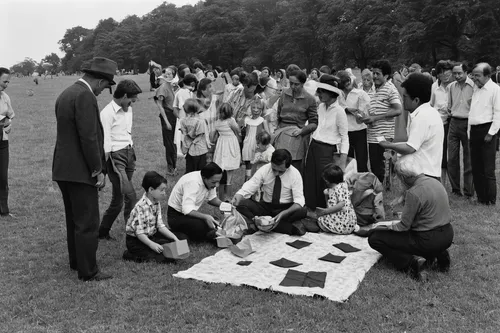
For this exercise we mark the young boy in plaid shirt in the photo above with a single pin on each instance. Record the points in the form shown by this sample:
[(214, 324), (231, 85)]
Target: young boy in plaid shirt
[(145, 229)]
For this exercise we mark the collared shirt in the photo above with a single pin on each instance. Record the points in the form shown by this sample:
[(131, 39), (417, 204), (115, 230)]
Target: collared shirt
[(194, 141), (180, 98), (426, 206), (485, 106), (332, 127), (291, 185), (439, 100), (297, 110), (459, 98), (190, 193), (167, 92), (117, 126), (86, 83), (6, 111), (145, 218), (356, 99), (380, 103), (426, 135)]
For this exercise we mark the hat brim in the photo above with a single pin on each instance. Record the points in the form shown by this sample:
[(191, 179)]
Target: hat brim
[(328, 87), (101, 75)]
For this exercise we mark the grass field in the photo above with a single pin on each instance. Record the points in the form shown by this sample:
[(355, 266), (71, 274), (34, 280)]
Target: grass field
[(39, 293)]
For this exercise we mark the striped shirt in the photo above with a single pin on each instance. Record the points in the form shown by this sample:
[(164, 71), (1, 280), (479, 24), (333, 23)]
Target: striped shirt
[(380, 104)]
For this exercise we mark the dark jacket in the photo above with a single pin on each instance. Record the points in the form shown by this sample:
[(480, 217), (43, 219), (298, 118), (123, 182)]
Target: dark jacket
[(79, 151)]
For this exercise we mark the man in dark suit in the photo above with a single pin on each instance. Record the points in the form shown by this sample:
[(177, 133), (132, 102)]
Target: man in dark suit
[(79, 163)]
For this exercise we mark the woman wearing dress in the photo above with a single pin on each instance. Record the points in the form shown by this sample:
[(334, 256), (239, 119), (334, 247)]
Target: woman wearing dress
[(227, 153), (295, 108), (328, 139)]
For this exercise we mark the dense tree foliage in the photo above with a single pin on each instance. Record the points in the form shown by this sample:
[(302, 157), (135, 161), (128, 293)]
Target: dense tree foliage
[(309, 33)]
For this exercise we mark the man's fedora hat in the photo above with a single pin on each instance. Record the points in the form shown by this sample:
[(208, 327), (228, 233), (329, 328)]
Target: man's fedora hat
[(102, 68)]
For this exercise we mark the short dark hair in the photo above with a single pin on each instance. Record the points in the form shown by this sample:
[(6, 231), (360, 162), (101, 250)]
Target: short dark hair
[(199, 65), (344, 78), (249, 79), (463, 65), (236, 71), (4, 70), (291, 68), (202, 86), (383, 65), (268, 69), (443, 65), (127, 87), (264, 138), (173, 69), (300, 75), (181, 69), (211, 71), (325, 69), (333, 174), (280, 156), (418, 85), (211, 169), (152, 179), (190, 78), (225, 111), (191, 106)]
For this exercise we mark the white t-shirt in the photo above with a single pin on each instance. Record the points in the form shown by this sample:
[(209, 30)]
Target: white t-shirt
[(426, 135)]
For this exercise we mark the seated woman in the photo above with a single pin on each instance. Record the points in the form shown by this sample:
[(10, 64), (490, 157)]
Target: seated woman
[(424, 232), (186, 198)]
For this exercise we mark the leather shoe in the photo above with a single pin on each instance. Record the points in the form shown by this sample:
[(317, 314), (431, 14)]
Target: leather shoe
[(443, 261), (416, 268), (99, 276), (107, 237), (298, 228)]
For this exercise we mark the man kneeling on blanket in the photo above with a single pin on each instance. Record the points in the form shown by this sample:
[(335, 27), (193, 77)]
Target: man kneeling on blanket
[(424, 233), (282, 195)]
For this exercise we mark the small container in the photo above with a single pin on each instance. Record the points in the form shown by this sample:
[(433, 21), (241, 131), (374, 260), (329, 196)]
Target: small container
[(176, 250), (223, 242)]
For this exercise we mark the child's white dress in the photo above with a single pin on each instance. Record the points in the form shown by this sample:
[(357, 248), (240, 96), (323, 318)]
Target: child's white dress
[(227, 150), (253, 127), (343, 221)]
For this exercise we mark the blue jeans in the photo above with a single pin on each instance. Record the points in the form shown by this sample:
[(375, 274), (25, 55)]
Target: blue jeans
[(457, 135), (121, 167)]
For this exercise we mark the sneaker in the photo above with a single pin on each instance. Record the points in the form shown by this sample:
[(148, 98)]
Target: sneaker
[(443, 261)]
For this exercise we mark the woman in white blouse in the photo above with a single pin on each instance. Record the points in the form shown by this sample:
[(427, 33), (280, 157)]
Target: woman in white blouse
[(328, 139)]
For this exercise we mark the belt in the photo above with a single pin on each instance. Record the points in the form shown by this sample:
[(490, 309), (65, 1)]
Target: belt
[(124, 148), (325, 144), (457, 118)]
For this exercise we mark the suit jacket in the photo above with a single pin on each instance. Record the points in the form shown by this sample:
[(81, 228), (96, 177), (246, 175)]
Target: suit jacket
[(79, 151)]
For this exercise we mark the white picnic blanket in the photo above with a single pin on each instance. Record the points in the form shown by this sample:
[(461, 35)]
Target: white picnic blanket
[(341, 280)]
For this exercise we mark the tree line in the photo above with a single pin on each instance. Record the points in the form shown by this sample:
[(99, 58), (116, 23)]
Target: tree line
[(309, 33)]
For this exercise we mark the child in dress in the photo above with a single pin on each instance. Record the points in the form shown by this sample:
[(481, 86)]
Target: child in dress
[(145, 229), (263, 152), (227, 153), (194, 143), (233, 85), (253, 126), (339, 217)]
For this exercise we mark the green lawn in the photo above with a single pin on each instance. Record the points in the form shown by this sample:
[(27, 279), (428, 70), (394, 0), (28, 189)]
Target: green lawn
[(39, 293)]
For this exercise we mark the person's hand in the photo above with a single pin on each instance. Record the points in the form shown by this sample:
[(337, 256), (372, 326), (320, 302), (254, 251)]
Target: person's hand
[(320, 211), (156, 247), (296, 132), (236, 200), (385, 144), (211, 222), (368, 119), (487, 138), (278, 217), (101, 181), (7, 128), (352, 110), (167, 123)]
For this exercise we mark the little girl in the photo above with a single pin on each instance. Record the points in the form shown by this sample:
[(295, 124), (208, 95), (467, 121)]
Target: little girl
[(339, 217), (253, 126), (227, 153), (194, 143), (263, 152)]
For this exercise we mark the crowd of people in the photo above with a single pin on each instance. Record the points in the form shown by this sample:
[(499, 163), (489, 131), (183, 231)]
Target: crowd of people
[(295, 136)]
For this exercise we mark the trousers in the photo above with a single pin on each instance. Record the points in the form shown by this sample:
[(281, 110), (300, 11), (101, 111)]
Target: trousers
[(358, 149), (195, 229), (482, 155), (400, 247), (377, 161), (168, 139), (457, 135), (81, 207), (4, 176), (121, 167)]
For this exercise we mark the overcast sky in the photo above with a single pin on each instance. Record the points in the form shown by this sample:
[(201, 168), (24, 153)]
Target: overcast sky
[(32, 28)]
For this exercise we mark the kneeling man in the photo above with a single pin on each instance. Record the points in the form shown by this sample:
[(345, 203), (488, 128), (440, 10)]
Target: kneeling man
[(424, 232), (282, 194)]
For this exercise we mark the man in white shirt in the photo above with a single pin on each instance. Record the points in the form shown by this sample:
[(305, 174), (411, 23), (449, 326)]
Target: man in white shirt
[(484, 122), (425, 130), (458, 107), (116, 119), (189, 193), (282, 194)]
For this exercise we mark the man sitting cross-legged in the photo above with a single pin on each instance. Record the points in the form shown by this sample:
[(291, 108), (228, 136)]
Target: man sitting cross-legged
[(282, 194)]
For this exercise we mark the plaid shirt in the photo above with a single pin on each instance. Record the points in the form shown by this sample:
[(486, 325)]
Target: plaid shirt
[(145, 218)]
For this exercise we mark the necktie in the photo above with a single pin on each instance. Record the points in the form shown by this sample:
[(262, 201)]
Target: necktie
[(276, 191)]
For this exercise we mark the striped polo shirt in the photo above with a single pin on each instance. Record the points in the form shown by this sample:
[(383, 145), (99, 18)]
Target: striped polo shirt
[(380, 103)]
